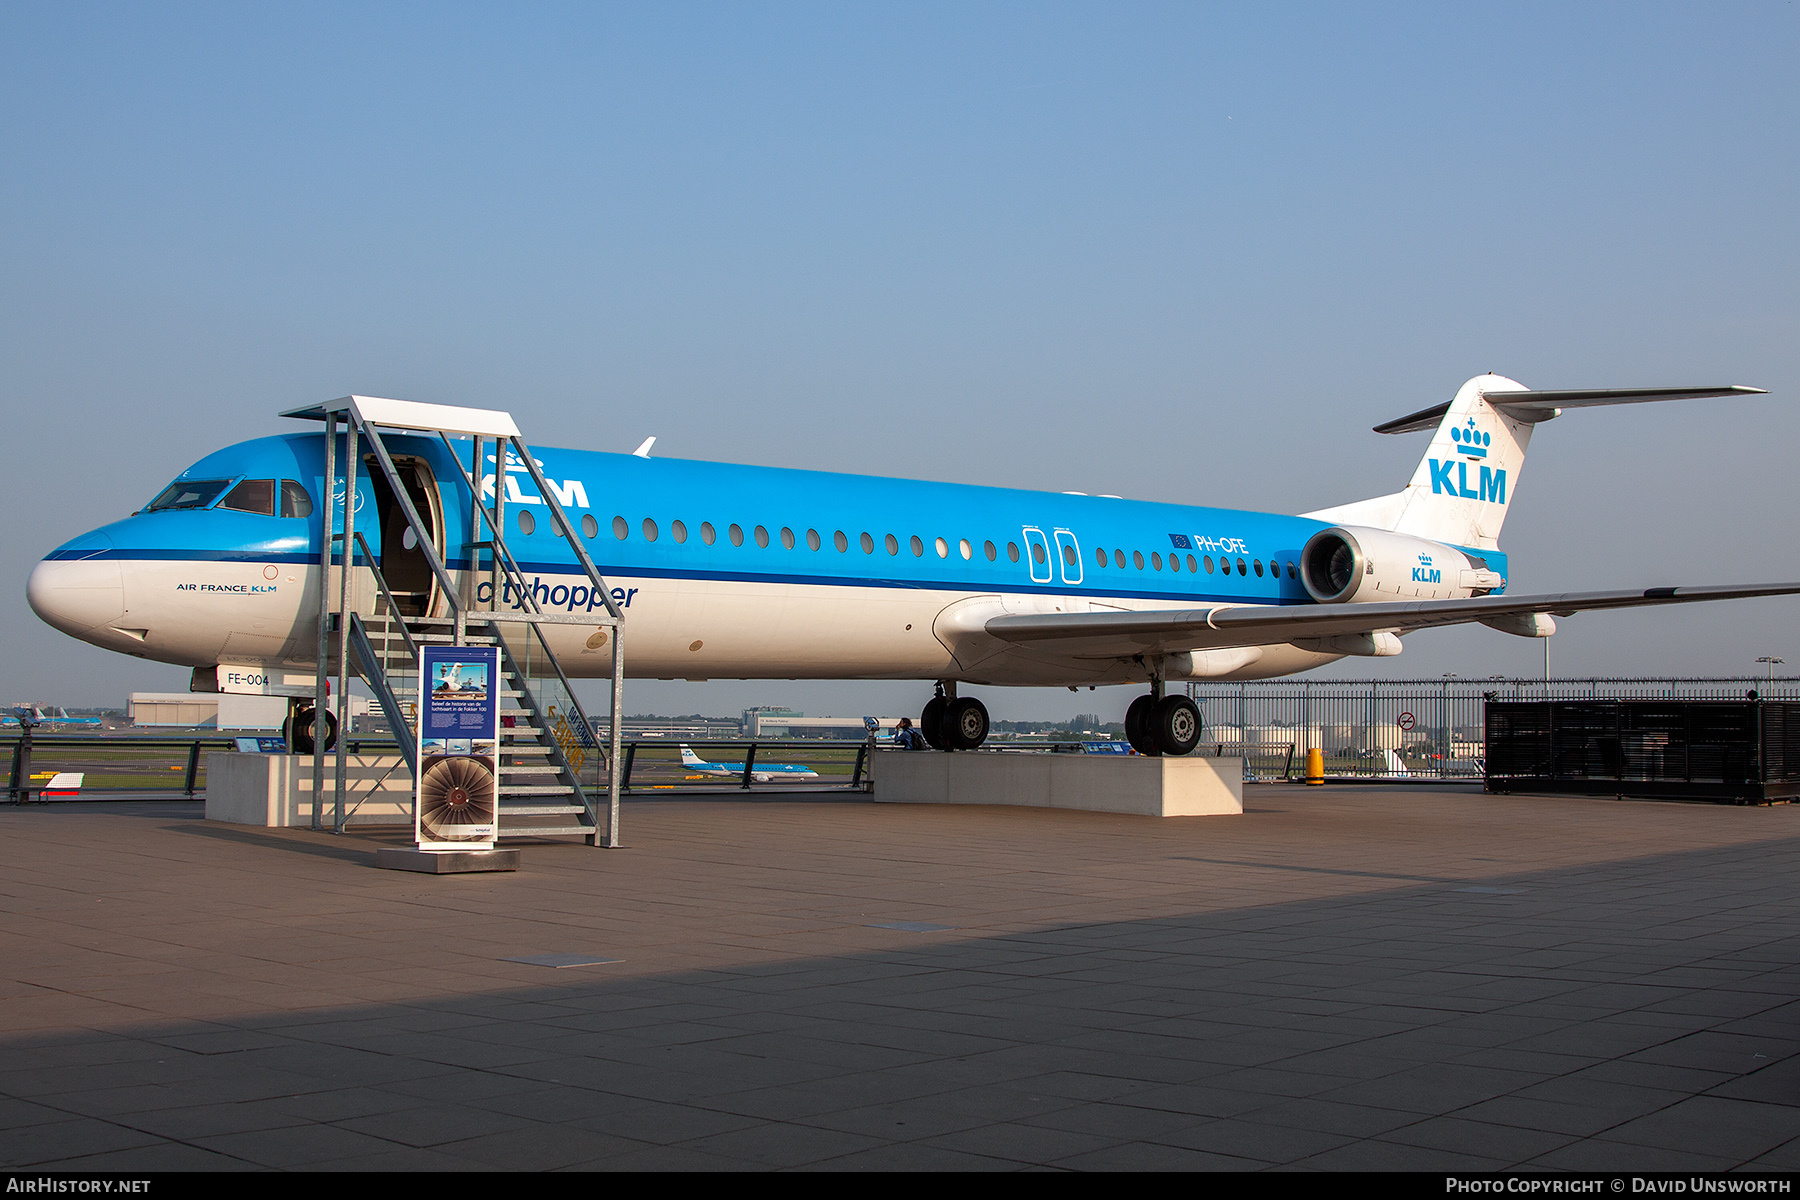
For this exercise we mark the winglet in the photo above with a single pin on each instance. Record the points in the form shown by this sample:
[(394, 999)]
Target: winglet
[(643, 451)]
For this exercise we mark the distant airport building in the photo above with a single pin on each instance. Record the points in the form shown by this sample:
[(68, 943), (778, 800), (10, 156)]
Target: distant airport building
[(769, 721)]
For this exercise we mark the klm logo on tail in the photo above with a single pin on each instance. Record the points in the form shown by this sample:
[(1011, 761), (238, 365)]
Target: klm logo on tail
[(1451, 477)]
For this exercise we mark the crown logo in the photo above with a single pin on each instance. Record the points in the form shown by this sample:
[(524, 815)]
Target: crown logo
[(1471, 441)]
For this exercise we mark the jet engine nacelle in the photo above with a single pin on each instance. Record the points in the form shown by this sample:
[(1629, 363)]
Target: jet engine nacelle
[(1350, 563)]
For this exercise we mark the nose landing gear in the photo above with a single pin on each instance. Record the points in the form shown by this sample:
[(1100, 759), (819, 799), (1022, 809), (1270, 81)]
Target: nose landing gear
[(1162, 725), (298, 729), (950, 722)]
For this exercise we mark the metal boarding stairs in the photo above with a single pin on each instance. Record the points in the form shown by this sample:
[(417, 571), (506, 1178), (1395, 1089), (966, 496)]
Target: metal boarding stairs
[(552, 771)]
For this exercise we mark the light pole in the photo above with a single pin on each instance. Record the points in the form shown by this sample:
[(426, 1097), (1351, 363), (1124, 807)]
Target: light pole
[(1771, 662)]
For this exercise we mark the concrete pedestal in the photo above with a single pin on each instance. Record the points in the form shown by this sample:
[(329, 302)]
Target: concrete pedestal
[(275, 790), (1155, 787), (446, 862)]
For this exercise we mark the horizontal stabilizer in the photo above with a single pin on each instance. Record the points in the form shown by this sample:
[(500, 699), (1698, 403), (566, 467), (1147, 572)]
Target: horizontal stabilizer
[(1523, 405)]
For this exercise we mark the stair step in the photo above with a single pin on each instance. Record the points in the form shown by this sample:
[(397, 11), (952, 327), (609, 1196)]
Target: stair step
[(531, 770), (541, 810), (535, 790)]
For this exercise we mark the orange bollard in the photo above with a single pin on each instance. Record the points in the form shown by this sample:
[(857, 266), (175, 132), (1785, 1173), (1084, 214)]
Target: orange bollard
[(1315, 767)]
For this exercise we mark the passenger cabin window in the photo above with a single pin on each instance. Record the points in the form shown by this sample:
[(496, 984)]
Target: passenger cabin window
[(893, 544), (620, 529), (1100, 557), (943, 548), (840, 541), (762, 537), (1037, 553), (649, 530), (1208, 561), (918, 547), (1119, 559), (1194, 567), (1257, 563), (678, 531), (1156, 560), (590, 528), (296, 501), (787, 537), (527, 523), (736, 534), (1242, 569), (1012, 551), (706, 533), (1137, 559), (1174, 562), (1068, 555), (1292, 574), (812, 539), (196, 493), (987, 548), (965, 549)]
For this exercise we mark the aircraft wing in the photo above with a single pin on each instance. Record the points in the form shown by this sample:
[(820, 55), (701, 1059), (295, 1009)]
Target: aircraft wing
[(1222, 626)]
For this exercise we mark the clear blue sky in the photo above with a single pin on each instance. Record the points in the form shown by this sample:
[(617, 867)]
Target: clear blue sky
[(1181, 252)]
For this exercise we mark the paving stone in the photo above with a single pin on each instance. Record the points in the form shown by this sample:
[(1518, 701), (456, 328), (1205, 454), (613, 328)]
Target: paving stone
[(1302, 987)]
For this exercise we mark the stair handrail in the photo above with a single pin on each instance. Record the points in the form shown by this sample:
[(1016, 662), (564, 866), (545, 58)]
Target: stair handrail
[(376, 678), (556, 749), (381, 582), (568, 531), (502, 552), (423, 535)]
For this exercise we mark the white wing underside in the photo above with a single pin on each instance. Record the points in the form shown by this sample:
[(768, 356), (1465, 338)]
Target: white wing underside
[(1115, 635)]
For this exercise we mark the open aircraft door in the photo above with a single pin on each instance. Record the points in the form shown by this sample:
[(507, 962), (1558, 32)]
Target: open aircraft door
[(403, 563)]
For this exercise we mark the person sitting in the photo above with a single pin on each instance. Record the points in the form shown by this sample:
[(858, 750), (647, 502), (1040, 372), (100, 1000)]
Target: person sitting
[(906, 737)]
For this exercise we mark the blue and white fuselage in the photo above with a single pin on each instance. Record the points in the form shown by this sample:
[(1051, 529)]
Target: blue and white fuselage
[(727, 571)]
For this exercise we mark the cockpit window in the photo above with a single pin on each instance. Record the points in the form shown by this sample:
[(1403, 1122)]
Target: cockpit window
[(252, 496), (295, 500), (189, 493)]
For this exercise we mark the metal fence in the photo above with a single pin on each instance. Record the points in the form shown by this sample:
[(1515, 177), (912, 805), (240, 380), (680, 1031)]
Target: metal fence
[(1417, 728)]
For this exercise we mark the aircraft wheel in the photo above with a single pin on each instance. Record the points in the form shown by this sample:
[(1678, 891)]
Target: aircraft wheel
[(965, 723), (1137, 726), (931, 723), (1175, 725), (298, 730)]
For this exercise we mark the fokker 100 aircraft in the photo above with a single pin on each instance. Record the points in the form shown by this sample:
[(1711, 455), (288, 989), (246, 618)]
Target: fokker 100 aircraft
[(727, 571)]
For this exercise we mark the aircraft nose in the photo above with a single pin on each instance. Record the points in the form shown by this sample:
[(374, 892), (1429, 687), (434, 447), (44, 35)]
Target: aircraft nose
[(75, 589)]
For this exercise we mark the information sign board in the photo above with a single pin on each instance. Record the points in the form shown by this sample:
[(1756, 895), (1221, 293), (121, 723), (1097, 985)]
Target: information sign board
[(456, 796)]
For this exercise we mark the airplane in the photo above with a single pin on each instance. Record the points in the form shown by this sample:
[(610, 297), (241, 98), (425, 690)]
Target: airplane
[(760, 772), (730, 571), (47, 720)]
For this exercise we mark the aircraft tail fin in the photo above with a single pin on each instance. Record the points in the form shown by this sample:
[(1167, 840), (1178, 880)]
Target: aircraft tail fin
[(1470, 471), (689, 758)]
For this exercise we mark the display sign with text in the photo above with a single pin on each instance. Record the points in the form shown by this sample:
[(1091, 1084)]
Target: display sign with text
[(456, 797)]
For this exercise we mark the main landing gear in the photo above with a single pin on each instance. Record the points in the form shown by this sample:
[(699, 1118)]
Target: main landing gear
[(1157, 724), (950, 722)]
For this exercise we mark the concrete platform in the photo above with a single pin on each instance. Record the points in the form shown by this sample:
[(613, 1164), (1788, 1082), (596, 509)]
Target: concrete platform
[(275, 790), (445, 862), (1409, 978), (1148, 787)]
